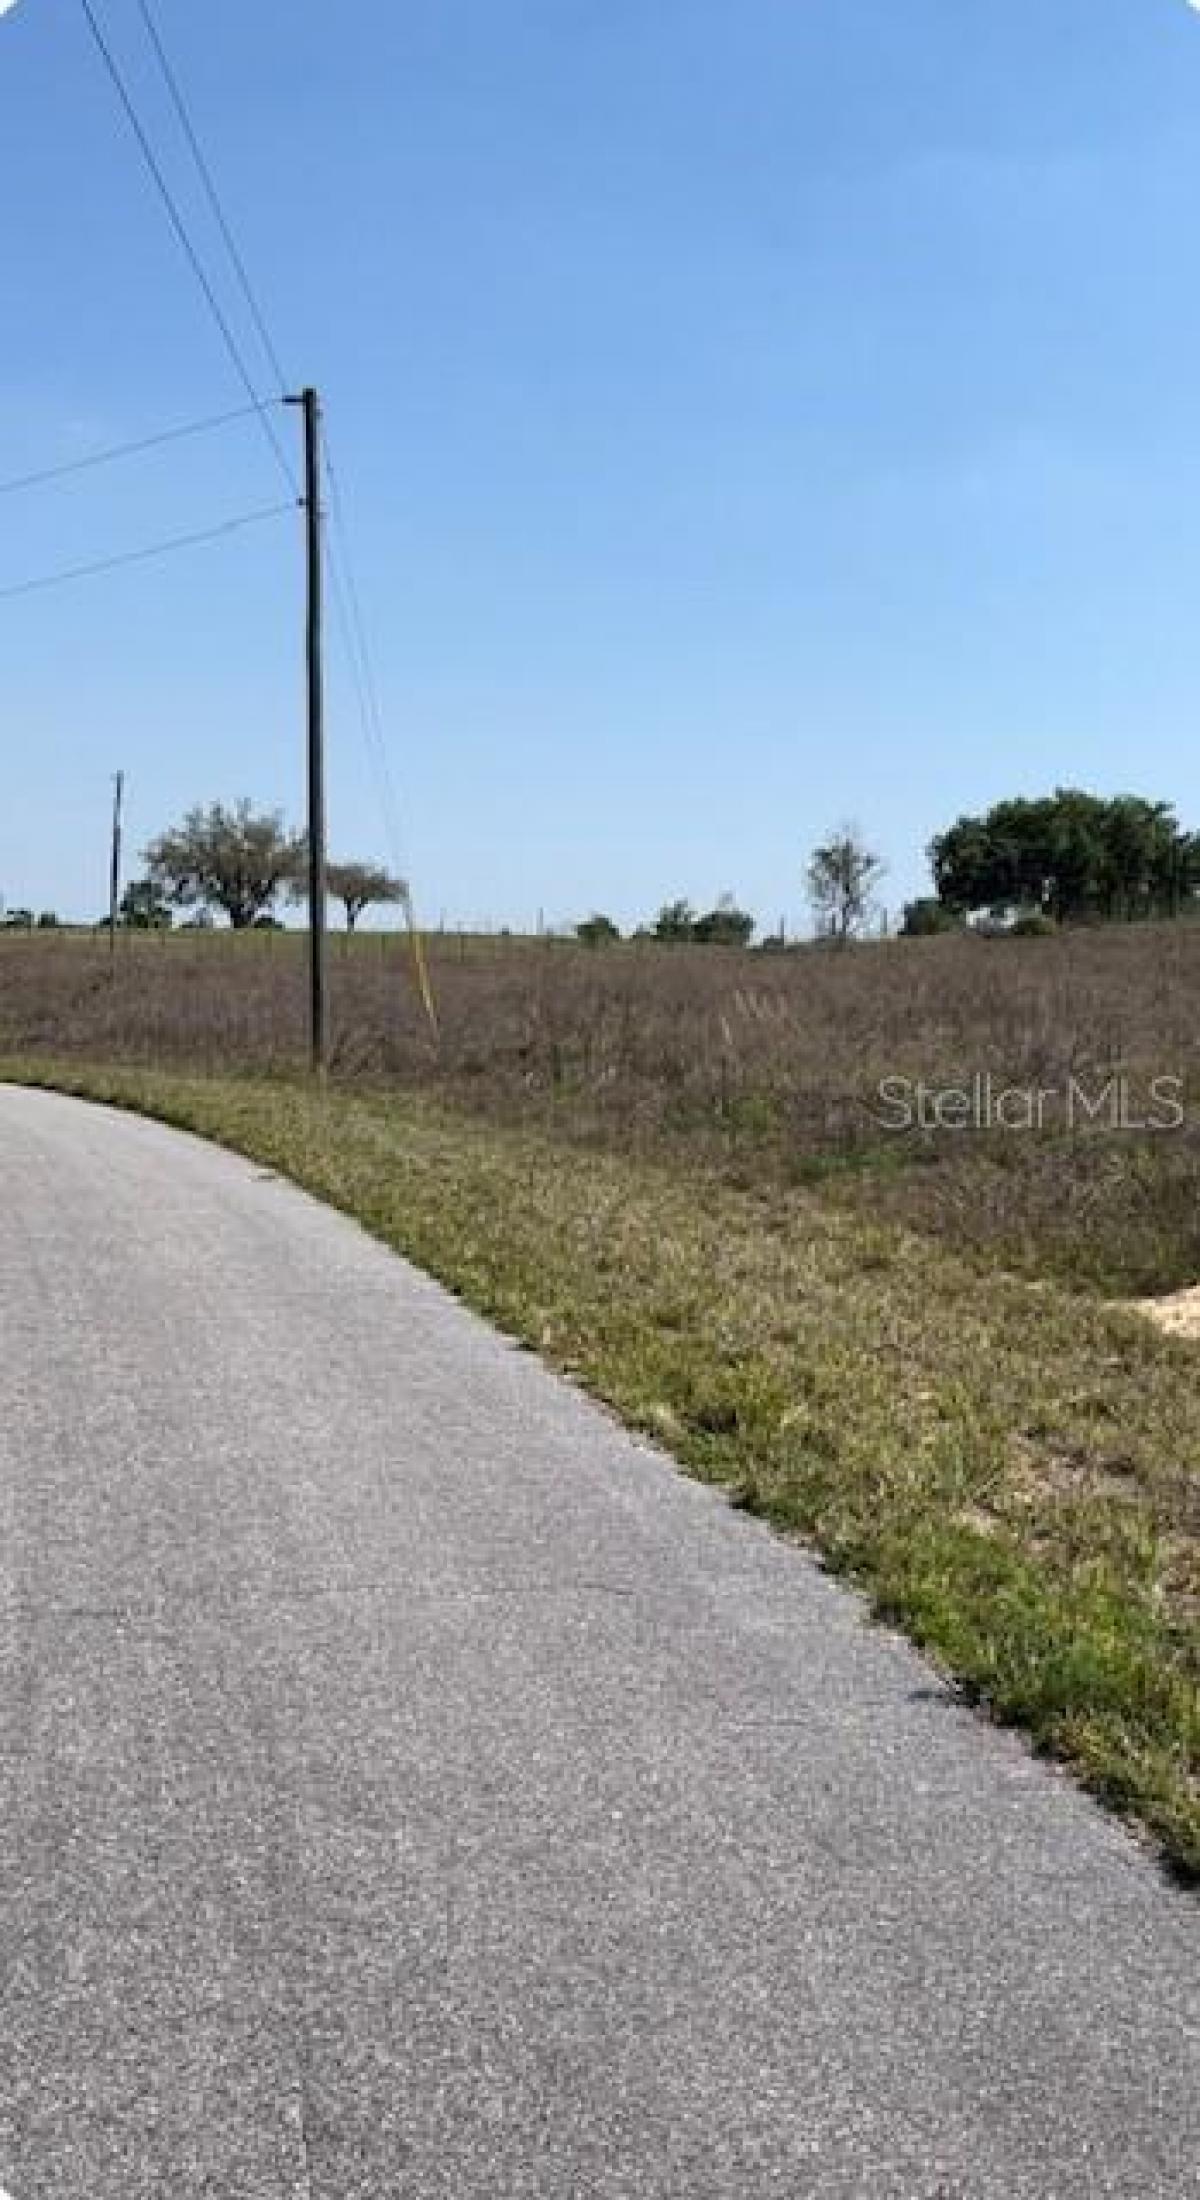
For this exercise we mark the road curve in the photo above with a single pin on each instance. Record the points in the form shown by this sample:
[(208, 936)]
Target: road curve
[(411, 1785)]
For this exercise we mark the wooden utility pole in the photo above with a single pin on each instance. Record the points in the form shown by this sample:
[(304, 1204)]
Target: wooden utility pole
[(317, 939), (114, 877)]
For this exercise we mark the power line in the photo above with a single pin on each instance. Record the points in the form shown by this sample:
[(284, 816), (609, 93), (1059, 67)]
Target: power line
[(375, 750), (180, 105), (117, 451), (349, 603), (349, 607), (153, 550), (182, 234), (346, 595)]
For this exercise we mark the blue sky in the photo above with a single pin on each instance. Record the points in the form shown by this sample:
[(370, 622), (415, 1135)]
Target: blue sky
[(753, 416)]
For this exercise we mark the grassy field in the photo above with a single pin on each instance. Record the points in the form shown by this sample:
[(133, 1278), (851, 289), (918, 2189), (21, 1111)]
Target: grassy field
[(661, 1169), (766, 1067)]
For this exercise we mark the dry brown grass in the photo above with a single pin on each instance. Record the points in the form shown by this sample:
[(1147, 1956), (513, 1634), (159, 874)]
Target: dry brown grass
[(769, 1065)]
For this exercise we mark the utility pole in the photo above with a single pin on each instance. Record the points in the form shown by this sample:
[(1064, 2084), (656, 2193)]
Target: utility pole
[(114, 880), (317, 943)]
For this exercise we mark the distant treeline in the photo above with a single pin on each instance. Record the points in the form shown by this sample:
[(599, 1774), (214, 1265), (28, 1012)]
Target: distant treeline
[(1025, 865)]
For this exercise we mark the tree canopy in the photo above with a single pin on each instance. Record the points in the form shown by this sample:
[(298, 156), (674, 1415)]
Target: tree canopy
[(234, 859), (145, 907), (676, 920), (597, 931), (358, 885), (723, 926), (1069, 856)]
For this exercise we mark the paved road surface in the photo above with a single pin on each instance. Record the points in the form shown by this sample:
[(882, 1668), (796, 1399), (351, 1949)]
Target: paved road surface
[(409, 1785)]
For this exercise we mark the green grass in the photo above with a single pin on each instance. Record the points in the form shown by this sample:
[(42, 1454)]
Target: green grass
[(1011, 1473)]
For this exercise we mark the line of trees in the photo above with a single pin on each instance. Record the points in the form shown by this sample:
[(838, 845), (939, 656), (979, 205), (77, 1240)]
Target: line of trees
[(23, 920), (238, 862), (842, 878), (1025, 864), (725, 925), (1028, 864)]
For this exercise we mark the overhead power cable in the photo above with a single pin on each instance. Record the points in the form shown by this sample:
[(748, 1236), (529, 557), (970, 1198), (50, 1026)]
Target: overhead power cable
[(349, 605), (347, 600), (152, 550), (213, 196), (117, 451), (183, 235), (346, 595)]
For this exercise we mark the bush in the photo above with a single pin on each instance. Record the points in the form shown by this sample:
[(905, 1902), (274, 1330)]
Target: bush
[(597, 931), (676, 922), (724, 926), (926, 917)]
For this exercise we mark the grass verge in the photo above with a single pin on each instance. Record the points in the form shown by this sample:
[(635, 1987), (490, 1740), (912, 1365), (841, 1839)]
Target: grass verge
[(1012, 1474)]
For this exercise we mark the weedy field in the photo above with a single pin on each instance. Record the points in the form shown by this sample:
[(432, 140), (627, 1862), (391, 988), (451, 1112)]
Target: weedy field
[(810, 1066), (681, 1174)]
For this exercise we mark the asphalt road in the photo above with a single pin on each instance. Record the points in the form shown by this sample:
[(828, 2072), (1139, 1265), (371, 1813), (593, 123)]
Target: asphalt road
[(411, 1785)]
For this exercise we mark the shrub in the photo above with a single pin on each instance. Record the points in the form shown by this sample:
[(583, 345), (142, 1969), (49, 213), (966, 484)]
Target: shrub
[(597, 931)]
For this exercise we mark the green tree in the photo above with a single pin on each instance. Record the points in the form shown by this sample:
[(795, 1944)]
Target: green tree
[(928, 915), (724, 926), (1138, 862), (1070, 856), (357, 886), (676, 920), (1074, 884), (969, 872), (234, 859), (597, 931), (842, 878), (145, 908)]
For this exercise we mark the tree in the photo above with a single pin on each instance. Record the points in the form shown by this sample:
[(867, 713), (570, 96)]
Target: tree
[(145, 908), (842, 878), (969, 872), (676, 920), (724, 926), (357, 886), (597, 931), (1070, 857), (236, 860)]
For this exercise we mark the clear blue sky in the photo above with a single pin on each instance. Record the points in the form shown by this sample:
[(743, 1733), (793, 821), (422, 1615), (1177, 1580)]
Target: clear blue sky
[(755, 413)]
